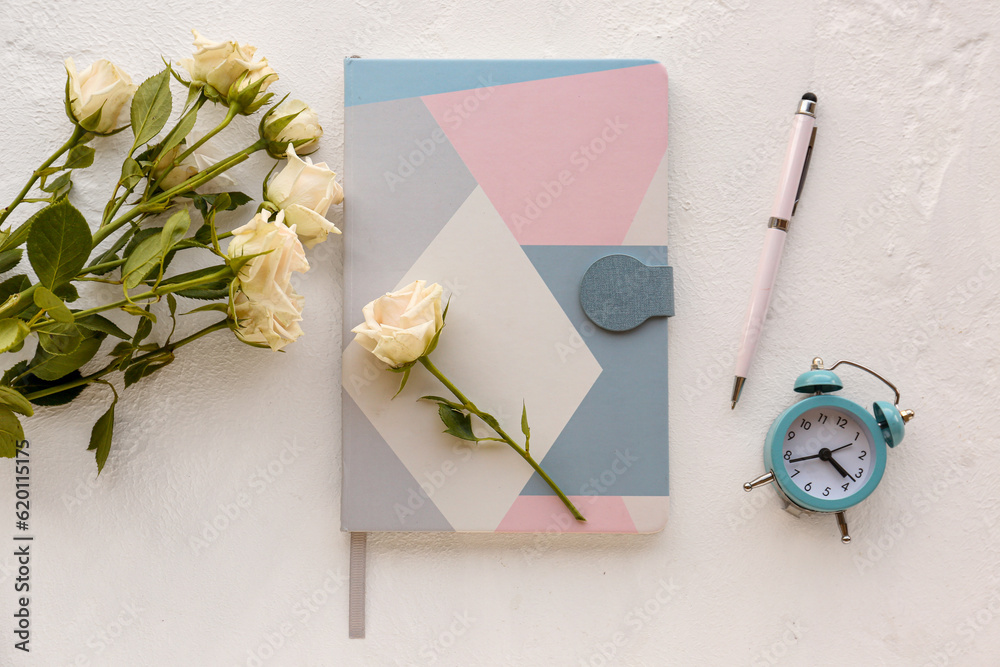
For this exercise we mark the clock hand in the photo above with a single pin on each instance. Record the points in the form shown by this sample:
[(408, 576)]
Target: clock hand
[(840, 468), (816, 456)]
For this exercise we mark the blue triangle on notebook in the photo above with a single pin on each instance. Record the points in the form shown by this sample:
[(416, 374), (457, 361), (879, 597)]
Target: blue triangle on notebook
[(610, 446), (414, 78)]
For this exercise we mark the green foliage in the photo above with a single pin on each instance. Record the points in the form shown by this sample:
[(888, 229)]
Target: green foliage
[(525, 429), (59, 338), (100, 435), (47, 366), (457, 423), (9, 259), (59, 243), (12, 333), (150, 107), (100, 323), (14, 400), (52, 305), (80, 157), (11, 433)]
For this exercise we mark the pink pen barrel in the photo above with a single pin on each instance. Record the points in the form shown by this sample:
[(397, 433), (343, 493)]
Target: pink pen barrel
[(789, 185)]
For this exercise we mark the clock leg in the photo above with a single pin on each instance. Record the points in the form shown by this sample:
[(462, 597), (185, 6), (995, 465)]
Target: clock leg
[(766, 478), (842, 524)]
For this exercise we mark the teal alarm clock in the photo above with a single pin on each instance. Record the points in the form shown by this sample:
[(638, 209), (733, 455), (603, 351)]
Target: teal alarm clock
[(825, 453)]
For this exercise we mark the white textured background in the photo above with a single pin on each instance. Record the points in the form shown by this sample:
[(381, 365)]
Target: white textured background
[(892, 260)]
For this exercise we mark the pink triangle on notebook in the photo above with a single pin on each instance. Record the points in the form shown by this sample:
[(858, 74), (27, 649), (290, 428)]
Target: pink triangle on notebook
[(567, 160)]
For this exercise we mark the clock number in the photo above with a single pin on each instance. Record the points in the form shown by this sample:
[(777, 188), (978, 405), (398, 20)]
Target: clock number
[(856, 436), (791, 434), (863, 455), (796, 471), (844, 487), (827, 491), (808, 486), (841, 422), (806, 425), (821, 419), (861, 471), (788, 455)]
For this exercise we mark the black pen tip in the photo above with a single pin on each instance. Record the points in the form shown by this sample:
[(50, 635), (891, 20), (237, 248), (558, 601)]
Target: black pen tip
[(810, 97)]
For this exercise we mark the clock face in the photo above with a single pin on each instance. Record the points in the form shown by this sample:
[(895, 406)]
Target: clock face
[(827, 453)]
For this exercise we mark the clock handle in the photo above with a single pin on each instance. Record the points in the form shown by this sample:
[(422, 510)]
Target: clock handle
[(842, 524), (819, 363)]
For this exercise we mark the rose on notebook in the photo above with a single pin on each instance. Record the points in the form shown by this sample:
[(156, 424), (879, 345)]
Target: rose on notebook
[(402, 328)]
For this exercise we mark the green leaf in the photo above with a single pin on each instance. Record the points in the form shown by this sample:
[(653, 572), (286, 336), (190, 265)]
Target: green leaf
[(9, 259), (142, 261), (180, 131), (12, 332), (59, 243), (525, 429), (220, 307), (13, 285), (13, 399), (144, 328), (175, 229), (131, 173), (402, 382), (67, 292), (80, 157), (144, 313), (443, 401), (60, 185), (138, 371), (20, 235), (100, 323), (58, 338), (100, 436), (151, 107), (11, 433), (53, 305), (30, 383), (55, 367), (457, 423)]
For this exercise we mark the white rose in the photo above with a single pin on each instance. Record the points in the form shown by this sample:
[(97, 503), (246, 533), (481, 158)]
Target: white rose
[(305, 191), (400, 326), (101, 87), (267, 309), (200, 160), (222, 64), (303, 130)]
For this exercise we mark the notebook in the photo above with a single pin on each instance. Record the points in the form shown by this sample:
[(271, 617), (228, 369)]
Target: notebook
[(505, 181)]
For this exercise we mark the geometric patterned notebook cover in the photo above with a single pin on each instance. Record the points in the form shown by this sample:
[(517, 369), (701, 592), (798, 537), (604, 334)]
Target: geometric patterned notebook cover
[(504, 181)]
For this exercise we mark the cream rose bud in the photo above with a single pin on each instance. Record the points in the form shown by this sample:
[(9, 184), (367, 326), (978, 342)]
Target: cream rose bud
[(292, 122), (266, 308), (305, 191), (400, 326), (223, 64), (101, 87)]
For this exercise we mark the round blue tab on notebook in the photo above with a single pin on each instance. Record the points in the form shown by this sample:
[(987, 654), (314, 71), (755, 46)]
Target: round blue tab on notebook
[(618, 292)]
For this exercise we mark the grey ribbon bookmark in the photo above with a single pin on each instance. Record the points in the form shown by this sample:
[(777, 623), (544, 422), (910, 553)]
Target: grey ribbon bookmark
[(356, 603)]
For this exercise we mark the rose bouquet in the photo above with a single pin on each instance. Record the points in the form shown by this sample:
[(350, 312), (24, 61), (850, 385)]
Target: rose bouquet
[(160, 205)]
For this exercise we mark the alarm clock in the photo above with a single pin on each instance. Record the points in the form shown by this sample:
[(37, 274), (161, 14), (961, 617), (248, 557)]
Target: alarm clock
[(826, 454)]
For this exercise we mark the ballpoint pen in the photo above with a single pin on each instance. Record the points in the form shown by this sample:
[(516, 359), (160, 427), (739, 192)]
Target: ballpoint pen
[(793, 175)]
